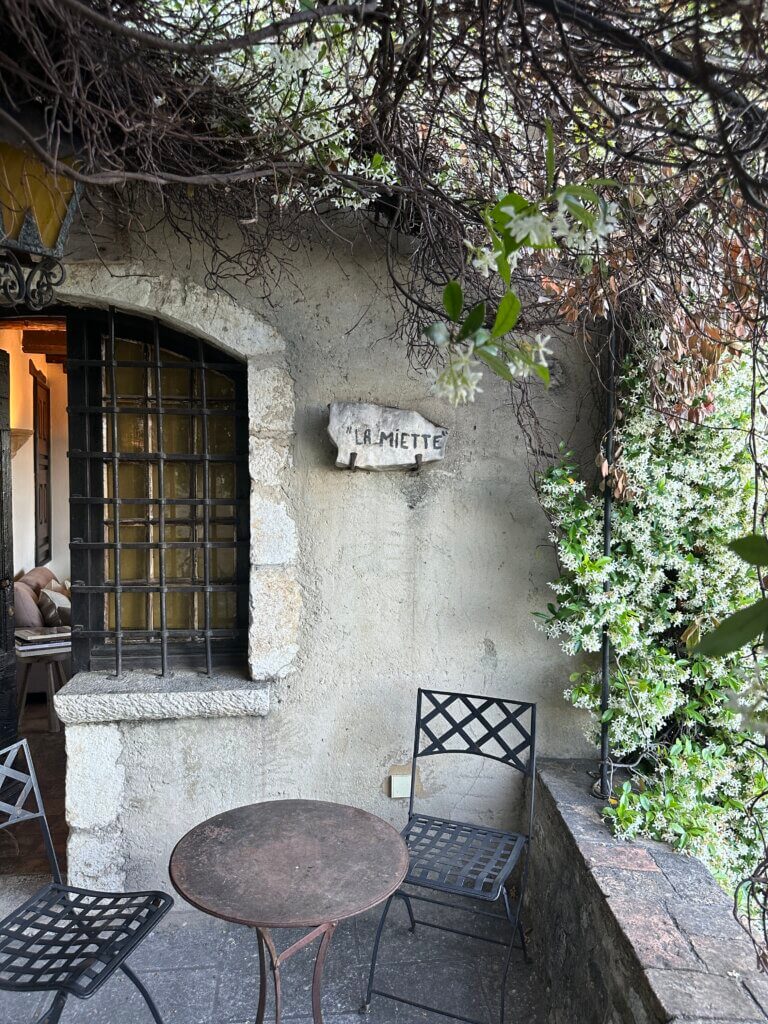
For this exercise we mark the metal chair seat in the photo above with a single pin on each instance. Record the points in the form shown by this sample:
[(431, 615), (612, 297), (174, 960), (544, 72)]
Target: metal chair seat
[(454, 857), (73, 940)]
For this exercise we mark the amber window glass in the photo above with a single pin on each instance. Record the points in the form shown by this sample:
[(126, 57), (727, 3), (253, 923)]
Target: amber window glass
[(160, 501)]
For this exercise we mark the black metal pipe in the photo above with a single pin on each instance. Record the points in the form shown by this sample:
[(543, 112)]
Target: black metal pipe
[(605, 685)]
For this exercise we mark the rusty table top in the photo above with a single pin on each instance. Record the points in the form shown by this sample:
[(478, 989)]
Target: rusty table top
[(289, 863)]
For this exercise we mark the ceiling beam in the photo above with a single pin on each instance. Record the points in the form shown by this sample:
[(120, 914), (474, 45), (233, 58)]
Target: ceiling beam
[(33, 323)]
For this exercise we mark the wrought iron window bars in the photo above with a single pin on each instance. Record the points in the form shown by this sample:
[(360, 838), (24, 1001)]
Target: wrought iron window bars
[(65, 940), (158, 477), (457, 858)]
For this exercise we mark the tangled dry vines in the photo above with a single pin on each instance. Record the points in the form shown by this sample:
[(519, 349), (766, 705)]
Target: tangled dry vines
[(170, 104)]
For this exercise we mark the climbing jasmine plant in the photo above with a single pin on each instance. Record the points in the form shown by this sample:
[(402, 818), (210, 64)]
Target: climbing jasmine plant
[(572, 220), (693, 763)]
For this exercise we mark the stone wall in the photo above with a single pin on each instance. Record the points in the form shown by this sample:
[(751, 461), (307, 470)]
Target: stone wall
[(629, 933), (363, 586)]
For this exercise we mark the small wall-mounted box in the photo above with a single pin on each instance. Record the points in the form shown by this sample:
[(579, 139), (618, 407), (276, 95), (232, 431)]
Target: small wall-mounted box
[(400, 785)]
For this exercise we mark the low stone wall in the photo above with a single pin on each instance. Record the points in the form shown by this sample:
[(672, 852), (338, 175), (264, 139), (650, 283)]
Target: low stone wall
[(629, 933), (148, 757)]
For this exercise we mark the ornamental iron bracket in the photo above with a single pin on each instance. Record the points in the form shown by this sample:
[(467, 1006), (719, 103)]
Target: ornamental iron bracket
[(35, 206), (30, 286)]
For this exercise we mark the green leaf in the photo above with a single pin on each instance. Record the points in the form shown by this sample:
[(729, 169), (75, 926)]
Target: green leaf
[(437, 333), (453, 300), (736, 631), (502, 265), (752, 548), (583, 192), (475, 320), (506, 315), (550, 155), (509, 206), (499, 367)]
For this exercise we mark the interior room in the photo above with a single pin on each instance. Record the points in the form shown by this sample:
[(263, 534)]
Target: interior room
[(38, 491)]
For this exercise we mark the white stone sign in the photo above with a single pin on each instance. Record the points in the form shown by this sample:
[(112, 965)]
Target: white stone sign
[(378, 437)]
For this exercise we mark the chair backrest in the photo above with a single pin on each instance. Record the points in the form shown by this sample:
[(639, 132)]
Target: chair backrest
[(461, 723), (20, 798)]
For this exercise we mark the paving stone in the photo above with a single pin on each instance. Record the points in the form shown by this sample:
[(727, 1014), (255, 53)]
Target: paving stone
[(21, 1007), (615, 854), (725, 957), (645, 885), (184, 939), (182, 997), (689, 878), (400, 945), (705, 919), (708, 1020), (447, 985), (203, 971), (524, 998), (238, 985), (695, 993), (655, 939), (757, 986)]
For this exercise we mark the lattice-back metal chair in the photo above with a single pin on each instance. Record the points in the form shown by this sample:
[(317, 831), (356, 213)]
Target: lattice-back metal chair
[(454, 857), (64, 940)]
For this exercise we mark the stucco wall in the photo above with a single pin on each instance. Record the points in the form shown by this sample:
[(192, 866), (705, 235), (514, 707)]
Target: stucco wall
[(408, 580), (404, 580)]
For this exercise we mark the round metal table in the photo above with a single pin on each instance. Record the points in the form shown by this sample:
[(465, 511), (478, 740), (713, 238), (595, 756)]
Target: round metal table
[(289, 864)]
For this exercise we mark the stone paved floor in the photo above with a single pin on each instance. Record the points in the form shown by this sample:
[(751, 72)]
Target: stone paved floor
[(21, 848), (202, 971)]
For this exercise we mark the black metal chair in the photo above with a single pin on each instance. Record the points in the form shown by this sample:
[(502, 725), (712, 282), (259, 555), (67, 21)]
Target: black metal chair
[(64, 940), (453, 857)]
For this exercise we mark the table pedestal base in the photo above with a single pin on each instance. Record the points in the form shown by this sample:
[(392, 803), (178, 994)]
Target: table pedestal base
[(266, 945)]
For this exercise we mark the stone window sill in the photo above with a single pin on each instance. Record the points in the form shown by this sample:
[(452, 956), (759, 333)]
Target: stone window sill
[(137, 696)]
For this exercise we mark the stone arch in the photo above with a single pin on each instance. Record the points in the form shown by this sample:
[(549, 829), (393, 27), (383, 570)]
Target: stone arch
[(181, 304), (274, 594)]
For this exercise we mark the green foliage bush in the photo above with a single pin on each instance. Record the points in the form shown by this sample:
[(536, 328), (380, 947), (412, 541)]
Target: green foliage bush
[(674, 714)]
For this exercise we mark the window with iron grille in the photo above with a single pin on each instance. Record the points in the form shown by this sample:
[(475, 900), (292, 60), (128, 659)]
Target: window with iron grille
[(159, 492)]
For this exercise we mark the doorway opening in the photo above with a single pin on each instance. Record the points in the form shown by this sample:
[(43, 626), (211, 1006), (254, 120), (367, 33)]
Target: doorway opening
[(35, 504)]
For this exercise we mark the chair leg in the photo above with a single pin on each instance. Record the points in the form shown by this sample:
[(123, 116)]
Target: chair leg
[(53, 718), (61, 673), (147, 997), (376, 941), (517, 929), (405, 898), (22, 705), (53, 1013), (514, 921)]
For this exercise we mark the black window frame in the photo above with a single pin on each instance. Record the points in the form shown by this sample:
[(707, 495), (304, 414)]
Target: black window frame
[(91, 338)]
